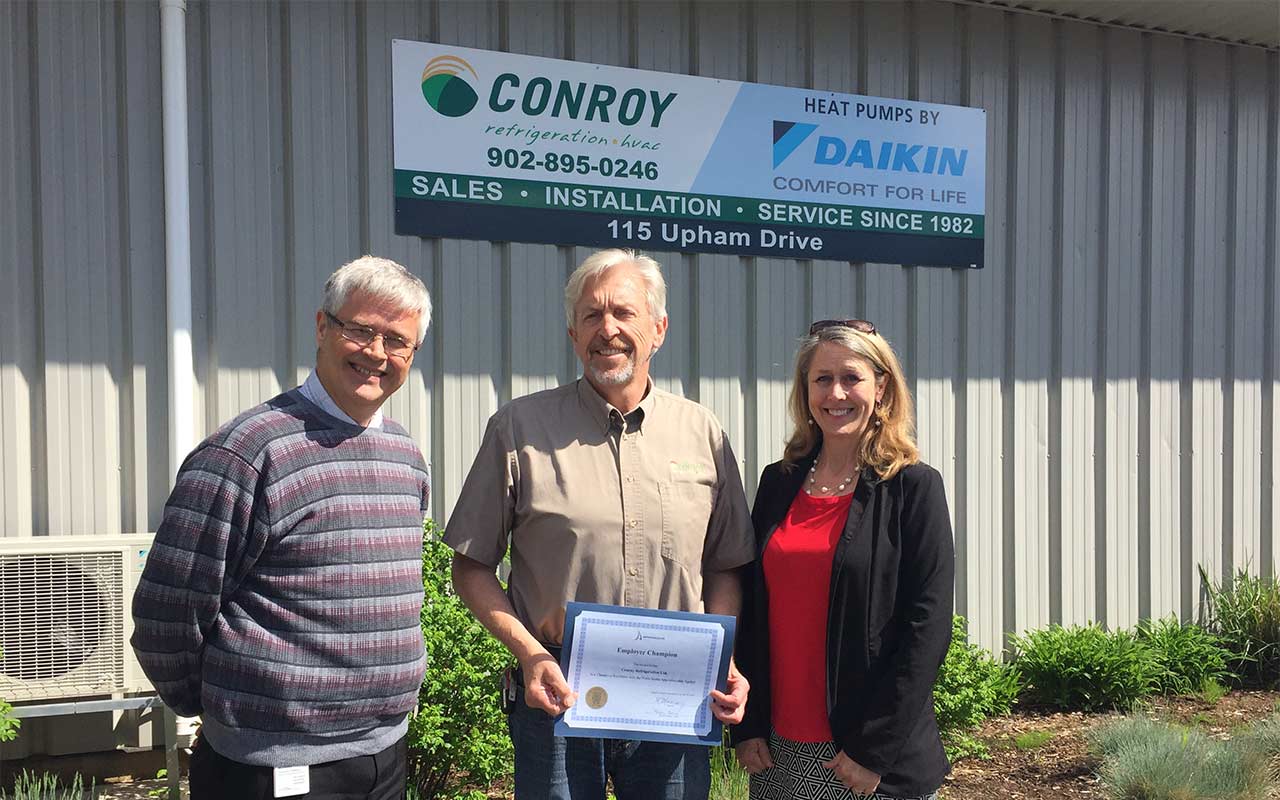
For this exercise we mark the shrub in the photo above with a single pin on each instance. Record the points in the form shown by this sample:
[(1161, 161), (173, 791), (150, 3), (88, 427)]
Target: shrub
[(971, 686), (1086, 668), (1189, 656), (9, 724), (458, 733), (1146, 760), (1244, 612)]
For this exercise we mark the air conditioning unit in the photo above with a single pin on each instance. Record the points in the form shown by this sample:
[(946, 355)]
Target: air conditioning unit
[(65, 626)]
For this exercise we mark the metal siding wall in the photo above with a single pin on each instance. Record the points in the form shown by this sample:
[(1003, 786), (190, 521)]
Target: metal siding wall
[(324, 199), (1165, 226), (21, 457), (984, 536), (80, 329), (1120, 270), (144, 404), (414, 405), (1100, 399), (1205, 310), (1248, 306), (936, 314), (1076, 315), (1035, 183), (1271, 361)]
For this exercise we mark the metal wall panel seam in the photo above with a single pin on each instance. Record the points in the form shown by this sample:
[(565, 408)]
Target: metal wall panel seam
[(1101, 387), (1013, 592), (129, 421), (1189, 535), (1054, 389), (960, 383)]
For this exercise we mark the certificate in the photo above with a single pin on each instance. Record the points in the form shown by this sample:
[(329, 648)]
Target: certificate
[(644, 674)]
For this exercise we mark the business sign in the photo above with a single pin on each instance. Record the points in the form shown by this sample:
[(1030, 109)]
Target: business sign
[(506, 147)]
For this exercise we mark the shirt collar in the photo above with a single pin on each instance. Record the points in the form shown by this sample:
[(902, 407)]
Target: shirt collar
[(314, 390), (604, 413)]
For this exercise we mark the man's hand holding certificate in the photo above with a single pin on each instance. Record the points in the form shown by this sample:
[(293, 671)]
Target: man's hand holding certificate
[(644, 674)]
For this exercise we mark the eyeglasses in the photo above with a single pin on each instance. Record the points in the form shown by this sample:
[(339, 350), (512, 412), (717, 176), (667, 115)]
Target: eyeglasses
[(859, 325), (392, 345)]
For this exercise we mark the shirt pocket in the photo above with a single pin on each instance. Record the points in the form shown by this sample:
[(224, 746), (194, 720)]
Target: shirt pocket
[(686, 510)]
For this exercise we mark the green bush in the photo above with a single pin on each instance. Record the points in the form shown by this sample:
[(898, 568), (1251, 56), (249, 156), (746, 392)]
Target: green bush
[(971, 686), (1189, 656), (9, 724), (1146, 760), (458, 735), (1086, 668), (1244, 612)]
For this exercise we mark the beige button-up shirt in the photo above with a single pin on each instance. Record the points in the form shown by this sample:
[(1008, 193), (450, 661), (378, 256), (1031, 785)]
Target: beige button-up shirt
[(602, 508)]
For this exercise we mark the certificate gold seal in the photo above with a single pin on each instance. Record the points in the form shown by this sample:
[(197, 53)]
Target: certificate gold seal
[(597, 697)]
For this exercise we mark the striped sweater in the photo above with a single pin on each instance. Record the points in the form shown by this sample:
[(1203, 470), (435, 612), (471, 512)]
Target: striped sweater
[(281, 599)]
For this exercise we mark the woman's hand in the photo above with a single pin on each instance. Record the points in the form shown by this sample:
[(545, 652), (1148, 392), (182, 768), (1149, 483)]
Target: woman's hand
[(729, 707), (753, 755), (853, 775)]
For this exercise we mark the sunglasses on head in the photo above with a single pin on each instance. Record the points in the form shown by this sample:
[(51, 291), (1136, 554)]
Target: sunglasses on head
[(859, 325)]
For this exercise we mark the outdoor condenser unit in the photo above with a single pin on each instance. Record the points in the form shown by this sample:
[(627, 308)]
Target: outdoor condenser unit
[(64, 616)]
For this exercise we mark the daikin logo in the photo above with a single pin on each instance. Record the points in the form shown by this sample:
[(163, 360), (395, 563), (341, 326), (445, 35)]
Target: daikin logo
[(832, 151), (444, 90), (787, 136)]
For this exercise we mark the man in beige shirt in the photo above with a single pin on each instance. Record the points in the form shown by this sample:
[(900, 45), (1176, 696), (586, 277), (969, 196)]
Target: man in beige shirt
[(607, 490)]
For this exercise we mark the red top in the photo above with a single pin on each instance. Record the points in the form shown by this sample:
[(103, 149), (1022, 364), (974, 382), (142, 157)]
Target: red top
[(797, 572)]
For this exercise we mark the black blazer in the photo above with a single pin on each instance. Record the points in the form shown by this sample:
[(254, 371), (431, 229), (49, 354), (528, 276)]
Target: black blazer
[(888, 626)]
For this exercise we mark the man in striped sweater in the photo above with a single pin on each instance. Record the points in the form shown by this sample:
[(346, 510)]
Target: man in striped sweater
[(281, 599)]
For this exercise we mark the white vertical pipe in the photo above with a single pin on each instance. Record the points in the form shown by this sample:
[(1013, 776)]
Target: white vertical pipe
[(177, 237)]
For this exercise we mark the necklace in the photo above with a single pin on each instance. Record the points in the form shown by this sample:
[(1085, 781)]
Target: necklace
[(813, 475)]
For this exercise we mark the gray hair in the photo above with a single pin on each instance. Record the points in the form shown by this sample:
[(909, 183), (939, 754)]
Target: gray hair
[(603, 260), (383, 279)]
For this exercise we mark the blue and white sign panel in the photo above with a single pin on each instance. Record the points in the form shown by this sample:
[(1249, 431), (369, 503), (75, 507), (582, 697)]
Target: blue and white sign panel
[(506, 147)]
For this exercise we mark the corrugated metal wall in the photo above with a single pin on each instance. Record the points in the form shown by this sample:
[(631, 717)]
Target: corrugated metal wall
[(1100, 398)]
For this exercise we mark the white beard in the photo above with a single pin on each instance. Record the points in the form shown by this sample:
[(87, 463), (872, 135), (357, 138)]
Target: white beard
[(618, 376)]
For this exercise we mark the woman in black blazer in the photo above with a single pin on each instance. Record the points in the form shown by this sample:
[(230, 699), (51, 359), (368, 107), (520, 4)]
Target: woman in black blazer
[(847, 615)]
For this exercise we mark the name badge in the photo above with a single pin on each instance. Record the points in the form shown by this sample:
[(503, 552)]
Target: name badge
[(292, 781)]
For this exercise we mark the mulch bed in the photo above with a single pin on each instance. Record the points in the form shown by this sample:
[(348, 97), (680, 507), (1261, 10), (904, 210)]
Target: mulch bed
[(1062, 766)]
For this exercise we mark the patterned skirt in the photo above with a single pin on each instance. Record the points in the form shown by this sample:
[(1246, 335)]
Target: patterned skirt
[(797, 774)]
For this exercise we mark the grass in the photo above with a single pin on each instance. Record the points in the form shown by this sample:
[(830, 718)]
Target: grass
[(1030, 740), (729, 781), (1211, 692), (45, 786), (1244, 611), (1147, 760)]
